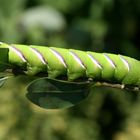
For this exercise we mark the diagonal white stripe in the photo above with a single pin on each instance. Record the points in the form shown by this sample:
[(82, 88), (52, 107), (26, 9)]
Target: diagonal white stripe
[(18, 53), (94, 61), (77, 59), (109, 60), (125, 62), (39, 55), (60, 58)]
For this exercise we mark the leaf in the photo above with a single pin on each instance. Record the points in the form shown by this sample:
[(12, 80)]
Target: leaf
[(54, 94), (3, 58), (3, 80)]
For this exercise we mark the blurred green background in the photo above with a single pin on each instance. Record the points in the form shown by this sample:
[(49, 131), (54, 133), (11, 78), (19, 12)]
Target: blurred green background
[(102, 26)]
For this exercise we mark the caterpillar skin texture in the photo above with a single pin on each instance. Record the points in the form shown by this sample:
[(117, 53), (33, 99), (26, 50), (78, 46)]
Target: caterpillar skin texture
[(74, 64)]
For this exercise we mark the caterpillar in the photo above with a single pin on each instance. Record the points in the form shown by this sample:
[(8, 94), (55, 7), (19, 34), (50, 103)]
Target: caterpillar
[(72, 64), (64, 77)]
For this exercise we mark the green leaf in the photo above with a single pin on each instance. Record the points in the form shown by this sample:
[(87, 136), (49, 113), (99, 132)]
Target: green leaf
[(2, 80), (54, 94), (3, 58)]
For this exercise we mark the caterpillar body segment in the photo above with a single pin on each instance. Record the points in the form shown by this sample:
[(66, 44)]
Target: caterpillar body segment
[(133, 75), (120, 67), (88, 64), (55, 64), (74, 64), (106, 67)]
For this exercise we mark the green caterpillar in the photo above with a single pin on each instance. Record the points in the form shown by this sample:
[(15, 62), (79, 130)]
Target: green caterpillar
[(64, 77), (73, 64)]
